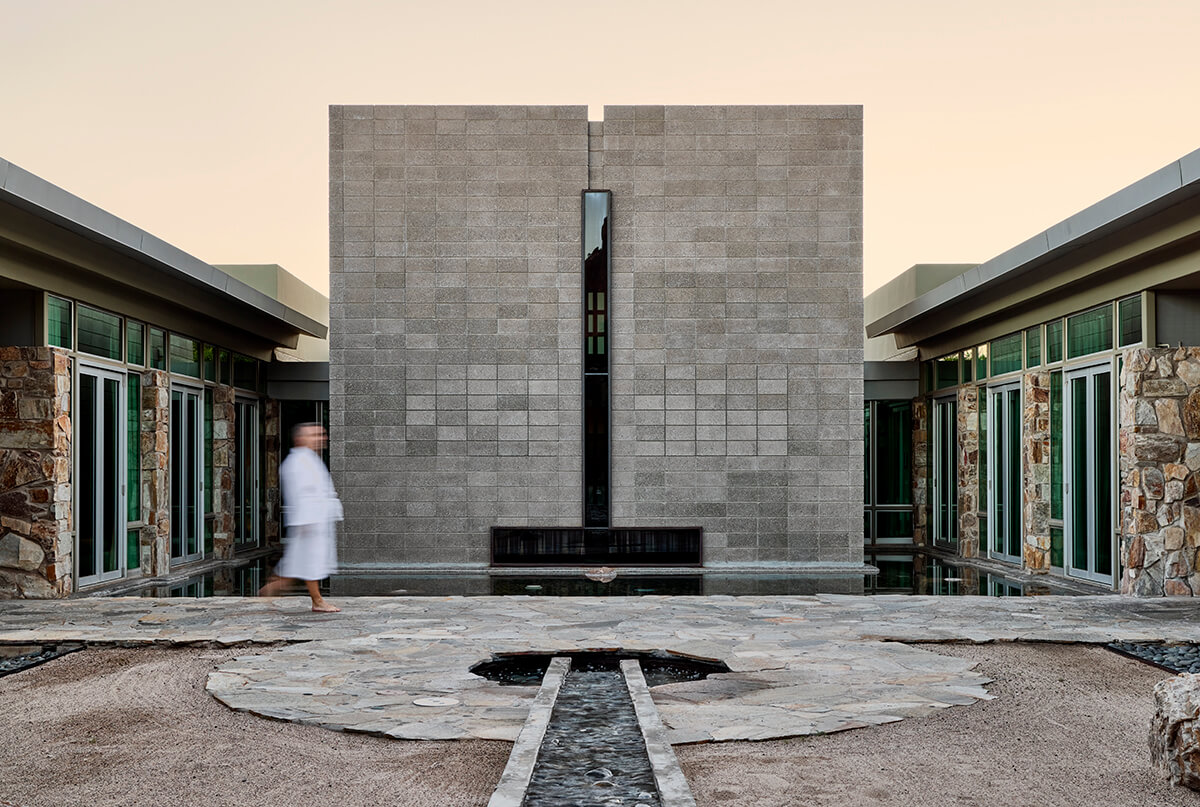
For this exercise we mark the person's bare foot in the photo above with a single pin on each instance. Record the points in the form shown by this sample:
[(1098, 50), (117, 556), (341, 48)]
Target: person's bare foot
[(325, 608)]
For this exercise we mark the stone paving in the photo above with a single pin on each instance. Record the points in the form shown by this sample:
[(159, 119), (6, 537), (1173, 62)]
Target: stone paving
[(799, 665)]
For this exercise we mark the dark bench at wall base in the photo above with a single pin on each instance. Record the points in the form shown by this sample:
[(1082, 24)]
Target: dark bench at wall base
[(616, 546)]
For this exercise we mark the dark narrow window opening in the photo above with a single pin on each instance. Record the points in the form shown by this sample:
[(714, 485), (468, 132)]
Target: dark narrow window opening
[(597, 206)]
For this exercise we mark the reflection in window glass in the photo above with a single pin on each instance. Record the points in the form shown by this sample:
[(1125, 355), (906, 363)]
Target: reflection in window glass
[(135, 342), (947, 371), (1129, 313), (981, 362), (1033, 346), (58, 321), (185, 356), (968, 365), (1006, 354), (244, 375), (223, 366), (894, 524), (99, 333), (1090, 332), (1054, 341), (893, 452), (158, 349), (210, 363)]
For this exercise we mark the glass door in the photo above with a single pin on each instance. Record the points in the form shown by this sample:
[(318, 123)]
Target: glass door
[(100, 475), (187, 480), (1088, 483), (1004, 473), (245, 475), (945, 471)]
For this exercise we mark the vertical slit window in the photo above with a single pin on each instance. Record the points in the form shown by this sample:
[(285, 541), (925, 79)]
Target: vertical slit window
[(135, 342), (1054, 341), (597, 218), (1033, 346), (58, 322), (133, 449), (158, 349), (1129, 314)]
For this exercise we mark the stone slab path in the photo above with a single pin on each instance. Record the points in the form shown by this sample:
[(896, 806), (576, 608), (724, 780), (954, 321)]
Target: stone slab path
[(800, 665)]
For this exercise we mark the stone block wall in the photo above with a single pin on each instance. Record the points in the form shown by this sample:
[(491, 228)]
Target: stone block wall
[(155, 537), (736, 325), (1035, 472), (36, 530), (1159, 461), (921, 471), (223, 459), (736, 363), (968, 472)]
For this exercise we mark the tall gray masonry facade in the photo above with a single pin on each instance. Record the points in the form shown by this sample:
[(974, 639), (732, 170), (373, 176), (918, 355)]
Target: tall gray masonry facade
[(733, 324)]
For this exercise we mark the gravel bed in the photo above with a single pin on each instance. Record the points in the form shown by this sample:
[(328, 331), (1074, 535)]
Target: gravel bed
[(1180, 658)]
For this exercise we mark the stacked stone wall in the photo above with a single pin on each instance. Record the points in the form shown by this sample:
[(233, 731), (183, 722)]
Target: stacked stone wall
[(968, 472), (1035, 477), (920, 466), (155, 537), (223, 459), (36, 539), (1160, 458)]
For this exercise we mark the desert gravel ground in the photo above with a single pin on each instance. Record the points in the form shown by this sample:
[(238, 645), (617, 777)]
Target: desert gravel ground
[(135, 727), (1069, 727)]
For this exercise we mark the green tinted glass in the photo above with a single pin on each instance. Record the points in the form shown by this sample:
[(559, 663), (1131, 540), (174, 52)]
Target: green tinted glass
[(1056, 547), (968, 365), (185, 356), (947, 371), (210, 363), (99, 333), (897, 524), (135, 342), (1033, 346), (981, 362), (1090, 332), (1054, 341), (133, 553), (133, 452), (1006, 354), (983, 441), (1129, 314), (158, 349), (222, 366), (244, 372), (58, 322)]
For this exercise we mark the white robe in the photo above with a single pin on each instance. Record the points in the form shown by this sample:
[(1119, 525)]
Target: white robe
[(310, 508)]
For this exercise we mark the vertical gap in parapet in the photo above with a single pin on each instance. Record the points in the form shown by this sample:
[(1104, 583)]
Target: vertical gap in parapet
[(595, 144)]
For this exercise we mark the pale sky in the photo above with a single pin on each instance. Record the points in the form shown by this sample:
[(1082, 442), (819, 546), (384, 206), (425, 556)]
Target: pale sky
[(206, 123)]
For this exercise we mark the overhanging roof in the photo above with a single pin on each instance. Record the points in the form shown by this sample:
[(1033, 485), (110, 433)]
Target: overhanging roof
[(47, 201), (1150, 195)]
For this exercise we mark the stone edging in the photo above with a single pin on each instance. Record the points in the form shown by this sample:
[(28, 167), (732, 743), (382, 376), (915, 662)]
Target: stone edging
[(510, 792), (673, 790)]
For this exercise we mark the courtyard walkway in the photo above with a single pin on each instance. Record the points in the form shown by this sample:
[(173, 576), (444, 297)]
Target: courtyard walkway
[(799, 665)]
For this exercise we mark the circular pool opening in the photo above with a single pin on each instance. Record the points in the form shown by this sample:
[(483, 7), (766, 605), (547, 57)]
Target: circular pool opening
[(658, 666)]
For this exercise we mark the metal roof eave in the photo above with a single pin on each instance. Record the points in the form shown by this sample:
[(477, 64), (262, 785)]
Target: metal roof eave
[(1151, 194), (30, 192)]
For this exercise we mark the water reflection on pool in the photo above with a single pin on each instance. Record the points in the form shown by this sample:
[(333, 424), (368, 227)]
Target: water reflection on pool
[(899, 573)]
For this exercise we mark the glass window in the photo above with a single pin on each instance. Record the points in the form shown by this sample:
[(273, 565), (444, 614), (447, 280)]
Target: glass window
[(158, 349), (867, 453), (1129, 314), (133, 551), (210, 363), (1006, 354), (1054, 341), (1056, 547), (99, 333), (208, 451), (245, 372), (1090, 332), (58, 321), (1033, 346), (983, 442), (223, 366), (135, 342), (947, 371), (894, 524), (893, 452), (981, 362), (185, 356), (929, 375), (968, 365), (1056, 445), (133, 449)]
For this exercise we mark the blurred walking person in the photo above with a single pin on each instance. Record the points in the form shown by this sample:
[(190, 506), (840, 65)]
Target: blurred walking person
[(310, 510)]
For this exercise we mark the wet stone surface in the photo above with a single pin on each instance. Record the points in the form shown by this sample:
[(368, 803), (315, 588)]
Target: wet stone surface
[(1182, 658), (593, 752)]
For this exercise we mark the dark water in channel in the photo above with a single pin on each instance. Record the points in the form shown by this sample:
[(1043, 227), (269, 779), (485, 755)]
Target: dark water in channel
[(593, 752)]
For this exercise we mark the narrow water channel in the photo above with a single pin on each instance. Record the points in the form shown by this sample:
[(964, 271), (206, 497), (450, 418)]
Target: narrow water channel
[(593, 752)]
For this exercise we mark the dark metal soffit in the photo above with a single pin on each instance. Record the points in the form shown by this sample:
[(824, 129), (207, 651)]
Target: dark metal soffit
[(1150, 195), (30, 192)]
